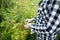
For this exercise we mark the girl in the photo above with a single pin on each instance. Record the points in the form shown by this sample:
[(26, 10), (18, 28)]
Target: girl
[(47, 21)]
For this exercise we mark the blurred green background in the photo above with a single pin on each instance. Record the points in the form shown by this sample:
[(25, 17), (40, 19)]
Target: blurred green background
[(13, 14)]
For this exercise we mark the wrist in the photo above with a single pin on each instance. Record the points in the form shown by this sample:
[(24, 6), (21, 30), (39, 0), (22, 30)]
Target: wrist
[(32, 19)]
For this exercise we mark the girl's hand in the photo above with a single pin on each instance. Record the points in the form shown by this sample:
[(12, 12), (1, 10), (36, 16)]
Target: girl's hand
[(27, 25)]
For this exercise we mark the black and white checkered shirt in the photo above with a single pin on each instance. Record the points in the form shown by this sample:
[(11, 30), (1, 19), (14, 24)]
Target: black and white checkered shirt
[(47, 21)]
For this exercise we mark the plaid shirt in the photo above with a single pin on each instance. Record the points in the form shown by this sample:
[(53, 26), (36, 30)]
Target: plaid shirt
[(47, 21)]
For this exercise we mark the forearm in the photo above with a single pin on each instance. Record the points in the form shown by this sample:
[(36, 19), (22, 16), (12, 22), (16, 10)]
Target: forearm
[(32, 19)]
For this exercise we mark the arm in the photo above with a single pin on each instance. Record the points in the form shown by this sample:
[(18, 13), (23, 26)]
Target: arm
[(30, 20)]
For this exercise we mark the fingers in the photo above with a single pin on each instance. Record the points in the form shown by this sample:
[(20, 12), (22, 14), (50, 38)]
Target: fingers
[(27, 20), (27, 25)]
